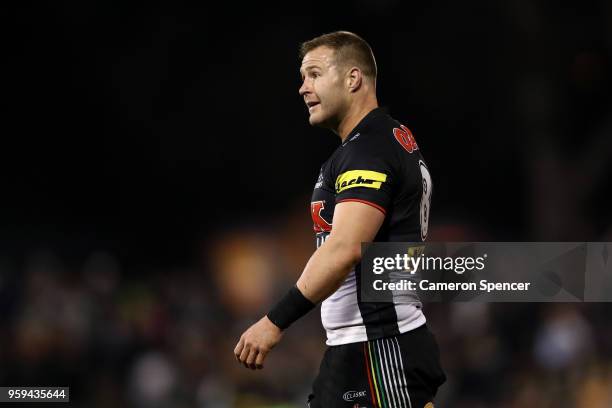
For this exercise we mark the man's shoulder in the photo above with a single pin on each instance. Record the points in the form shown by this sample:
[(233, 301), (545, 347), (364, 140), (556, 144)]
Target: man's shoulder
[(388, 136), (383, 121), (377, 137)]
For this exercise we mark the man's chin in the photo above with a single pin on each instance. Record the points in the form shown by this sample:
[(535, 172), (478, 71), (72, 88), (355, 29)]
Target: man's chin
[(316, 120)]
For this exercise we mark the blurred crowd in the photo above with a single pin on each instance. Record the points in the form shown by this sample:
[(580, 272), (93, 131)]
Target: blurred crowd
[(164, 337)]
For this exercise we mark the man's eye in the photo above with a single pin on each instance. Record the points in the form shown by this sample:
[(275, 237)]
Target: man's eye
[(314, 74)]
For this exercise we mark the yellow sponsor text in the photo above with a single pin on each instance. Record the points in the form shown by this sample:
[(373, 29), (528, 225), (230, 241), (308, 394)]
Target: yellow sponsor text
[(359, 178)]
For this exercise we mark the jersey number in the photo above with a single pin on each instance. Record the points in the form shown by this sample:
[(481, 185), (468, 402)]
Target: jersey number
[(425, 199)]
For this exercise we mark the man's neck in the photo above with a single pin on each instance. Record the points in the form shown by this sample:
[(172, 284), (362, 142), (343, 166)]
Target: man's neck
[(353, 118)]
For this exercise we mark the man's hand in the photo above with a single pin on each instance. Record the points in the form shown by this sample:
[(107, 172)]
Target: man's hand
[(256, 343)]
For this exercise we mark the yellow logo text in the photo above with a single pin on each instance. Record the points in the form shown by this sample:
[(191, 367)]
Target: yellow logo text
[(359, 178)]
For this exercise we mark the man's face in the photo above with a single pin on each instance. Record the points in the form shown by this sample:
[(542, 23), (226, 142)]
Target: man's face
[(322, 87)]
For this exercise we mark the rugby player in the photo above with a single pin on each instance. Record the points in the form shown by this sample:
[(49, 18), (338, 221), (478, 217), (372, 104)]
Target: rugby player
[(374, 187)]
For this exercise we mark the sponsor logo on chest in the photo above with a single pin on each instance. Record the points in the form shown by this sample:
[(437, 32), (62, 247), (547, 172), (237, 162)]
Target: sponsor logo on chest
[(319, 182)]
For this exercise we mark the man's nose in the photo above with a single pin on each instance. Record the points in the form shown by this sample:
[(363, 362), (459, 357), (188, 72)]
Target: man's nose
[(305, 88)]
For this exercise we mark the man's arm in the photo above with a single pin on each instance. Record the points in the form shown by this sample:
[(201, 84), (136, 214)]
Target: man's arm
[(353, 223)]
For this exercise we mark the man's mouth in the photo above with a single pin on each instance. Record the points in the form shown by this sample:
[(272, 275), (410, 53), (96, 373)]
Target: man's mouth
[(312, 104)]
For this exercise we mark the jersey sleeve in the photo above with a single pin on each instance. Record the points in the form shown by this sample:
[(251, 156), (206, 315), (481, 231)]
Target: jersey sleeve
[(366, 172)]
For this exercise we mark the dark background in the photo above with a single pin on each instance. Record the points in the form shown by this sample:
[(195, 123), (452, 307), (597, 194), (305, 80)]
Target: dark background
[(143, 139)]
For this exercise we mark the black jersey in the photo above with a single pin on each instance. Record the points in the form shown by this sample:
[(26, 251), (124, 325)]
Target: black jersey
[(378, 164)]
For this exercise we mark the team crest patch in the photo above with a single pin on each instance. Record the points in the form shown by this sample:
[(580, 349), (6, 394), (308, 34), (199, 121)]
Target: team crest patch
[(403, 135)]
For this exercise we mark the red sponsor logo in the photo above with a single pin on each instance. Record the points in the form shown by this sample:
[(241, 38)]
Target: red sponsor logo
[(320, 225), (403, 135)]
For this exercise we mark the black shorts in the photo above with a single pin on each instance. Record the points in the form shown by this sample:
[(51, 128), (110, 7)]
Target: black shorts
[(400, 371)]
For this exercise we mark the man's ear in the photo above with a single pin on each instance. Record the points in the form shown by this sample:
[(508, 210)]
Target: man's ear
[(354, 79)]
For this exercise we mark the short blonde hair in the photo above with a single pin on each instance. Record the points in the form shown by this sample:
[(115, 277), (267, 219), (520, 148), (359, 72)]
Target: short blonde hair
[(349, 49)]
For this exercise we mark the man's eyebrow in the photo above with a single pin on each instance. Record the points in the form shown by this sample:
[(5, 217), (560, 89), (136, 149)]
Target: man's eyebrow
[(308, 68)]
